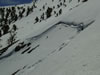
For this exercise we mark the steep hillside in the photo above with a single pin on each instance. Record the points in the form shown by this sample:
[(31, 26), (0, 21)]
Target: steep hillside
[(35, 23), (59, 37)]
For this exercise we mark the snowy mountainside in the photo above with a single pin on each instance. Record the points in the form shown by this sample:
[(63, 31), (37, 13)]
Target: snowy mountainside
[(56, 45), (27, 23)]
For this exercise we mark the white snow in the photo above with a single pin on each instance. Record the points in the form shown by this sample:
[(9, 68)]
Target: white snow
[(59, 48)]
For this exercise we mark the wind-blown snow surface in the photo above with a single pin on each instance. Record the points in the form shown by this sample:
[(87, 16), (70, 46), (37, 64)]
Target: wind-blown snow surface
[(58, 49)]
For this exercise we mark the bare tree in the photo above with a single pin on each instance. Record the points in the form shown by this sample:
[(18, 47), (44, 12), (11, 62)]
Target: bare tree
[(12, 38)]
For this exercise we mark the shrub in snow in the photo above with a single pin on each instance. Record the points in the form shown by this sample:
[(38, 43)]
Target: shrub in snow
[(48, 12)]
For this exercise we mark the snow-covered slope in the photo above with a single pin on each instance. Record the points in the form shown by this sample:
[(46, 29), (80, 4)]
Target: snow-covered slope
[(55, 46)]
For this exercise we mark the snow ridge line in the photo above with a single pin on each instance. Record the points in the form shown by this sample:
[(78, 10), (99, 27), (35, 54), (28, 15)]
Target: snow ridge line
[(76, 25)]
